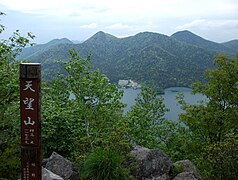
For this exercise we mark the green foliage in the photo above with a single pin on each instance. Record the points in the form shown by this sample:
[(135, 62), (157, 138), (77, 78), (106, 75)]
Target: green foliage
[(213, 124), (97, 101), (145, 118), (222, 159), (104, 164), (216, 118), (9, 103), (10, 160), (82, 110), (175, 140), (60, 127), (148, 127), (10, 69), (82, 113)]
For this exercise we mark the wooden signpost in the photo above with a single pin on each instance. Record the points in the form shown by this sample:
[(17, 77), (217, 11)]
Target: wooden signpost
[(30, 105)]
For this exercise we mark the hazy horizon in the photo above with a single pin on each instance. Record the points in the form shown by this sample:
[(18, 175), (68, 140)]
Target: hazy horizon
[(80, 41), (214, 20)]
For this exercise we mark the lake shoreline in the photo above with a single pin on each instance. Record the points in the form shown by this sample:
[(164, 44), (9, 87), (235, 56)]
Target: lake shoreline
[(170, 100)]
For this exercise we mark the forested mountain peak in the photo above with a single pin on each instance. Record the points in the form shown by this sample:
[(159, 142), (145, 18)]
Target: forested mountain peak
[(59, 41), (187, 36), (147, 33), (101, 36), (191, 38), (147, 57), (36, 50), (149, 36)]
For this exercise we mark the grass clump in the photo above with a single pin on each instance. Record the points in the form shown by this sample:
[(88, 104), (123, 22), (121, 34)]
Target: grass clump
[(104, 164)]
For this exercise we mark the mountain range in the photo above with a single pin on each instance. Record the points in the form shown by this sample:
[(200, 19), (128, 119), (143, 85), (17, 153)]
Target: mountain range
[(147, 58)]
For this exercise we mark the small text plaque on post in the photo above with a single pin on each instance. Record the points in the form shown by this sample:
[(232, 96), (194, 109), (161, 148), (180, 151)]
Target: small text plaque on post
[(30, 106)]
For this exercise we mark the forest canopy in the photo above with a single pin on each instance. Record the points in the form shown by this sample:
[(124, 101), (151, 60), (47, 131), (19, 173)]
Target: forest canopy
[(93, 123)]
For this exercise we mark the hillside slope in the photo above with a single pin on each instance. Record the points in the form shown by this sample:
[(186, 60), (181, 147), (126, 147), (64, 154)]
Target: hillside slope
[(40, 48), (190, 38), (233, 44), (148, 58)]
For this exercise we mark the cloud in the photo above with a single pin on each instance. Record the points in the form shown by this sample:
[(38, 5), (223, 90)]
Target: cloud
[(52, 8), (125, 17), (124, 11), (194, 23), (118, 26), (89, 26), (219, 30), (209, 24)]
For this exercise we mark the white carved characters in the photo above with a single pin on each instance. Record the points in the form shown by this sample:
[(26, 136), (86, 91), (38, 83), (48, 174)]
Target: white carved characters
[(29, 122), (29, 86)]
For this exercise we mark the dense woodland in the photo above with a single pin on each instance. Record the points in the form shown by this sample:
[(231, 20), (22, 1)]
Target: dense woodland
[(92, 125), (148, 58)]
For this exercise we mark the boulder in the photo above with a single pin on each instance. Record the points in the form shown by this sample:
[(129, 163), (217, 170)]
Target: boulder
[(185, 176), (48, 175), (163, 177), (189, 170), (62, 167), (152, 163)]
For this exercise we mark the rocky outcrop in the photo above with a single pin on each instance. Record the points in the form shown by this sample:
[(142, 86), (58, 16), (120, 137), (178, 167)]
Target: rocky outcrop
[(185, 176), (163, 177), (48, 175), (153, 164), (62, 167), (189, 171)]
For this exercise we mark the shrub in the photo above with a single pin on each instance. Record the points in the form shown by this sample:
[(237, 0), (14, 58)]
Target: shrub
[(10, 163), (104, 164), (222, 158)]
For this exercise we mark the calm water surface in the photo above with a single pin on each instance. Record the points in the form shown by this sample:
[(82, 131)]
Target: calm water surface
[(169, 100)]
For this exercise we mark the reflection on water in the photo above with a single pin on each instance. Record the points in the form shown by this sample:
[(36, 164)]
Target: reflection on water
[(169, 100)]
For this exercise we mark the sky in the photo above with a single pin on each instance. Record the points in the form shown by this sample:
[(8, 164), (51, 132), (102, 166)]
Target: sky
[(215, 20)]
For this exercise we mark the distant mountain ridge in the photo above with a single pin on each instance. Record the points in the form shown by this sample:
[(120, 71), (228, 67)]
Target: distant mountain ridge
[(233, 44), (40, 48), (190, 38), (147, 58)]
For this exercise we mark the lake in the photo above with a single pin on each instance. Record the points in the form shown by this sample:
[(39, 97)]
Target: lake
[(169, 99)]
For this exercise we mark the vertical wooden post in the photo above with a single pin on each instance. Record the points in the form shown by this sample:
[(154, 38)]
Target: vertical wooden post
[(30, 106)]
